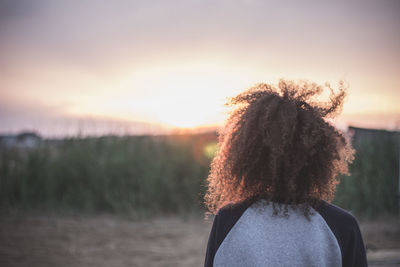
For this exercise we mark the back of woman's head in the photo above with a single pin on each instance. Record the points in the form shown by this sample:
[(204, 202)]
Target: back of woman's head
[(277, 145)]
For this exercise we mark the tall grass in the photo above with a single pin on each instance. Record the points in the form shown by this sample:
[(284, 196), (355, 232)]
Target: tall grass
[(372, 188), (113, 174), (162, 174)]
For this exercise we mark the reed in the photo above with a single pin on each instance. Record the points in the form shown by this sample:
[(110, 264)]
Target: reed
[(162, 174)]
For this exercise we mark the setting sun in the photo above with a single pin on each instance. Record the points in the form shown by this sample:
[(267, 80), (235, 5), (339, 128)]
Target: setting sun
[(175, 95)]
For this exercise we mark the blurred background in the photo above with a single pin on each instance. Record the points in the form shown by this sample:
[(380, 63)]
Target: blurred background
[(109, 113)]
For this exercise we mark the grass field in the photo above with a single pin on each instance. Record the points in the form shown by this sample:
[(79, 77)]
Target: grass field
[(149, 190), (165, 175), (114, 241)]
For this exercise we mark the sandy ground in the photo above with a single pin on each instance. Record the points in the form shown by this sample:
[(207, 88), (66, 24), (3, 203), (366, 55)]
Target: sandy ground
[(113, 241)]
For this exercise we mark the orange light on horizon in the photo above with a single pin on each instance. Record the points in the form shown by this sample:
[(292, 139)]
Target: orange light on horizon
[(173, 94)]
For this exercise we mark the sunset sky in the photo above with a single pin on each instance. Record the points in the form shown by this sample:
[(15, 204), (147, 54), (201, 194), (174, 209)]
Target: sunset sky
[(135, 66)]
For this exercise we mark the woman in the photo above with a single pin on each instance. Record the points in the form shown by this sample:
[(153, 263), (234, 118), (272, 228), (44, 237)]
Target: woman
[(273, 177)]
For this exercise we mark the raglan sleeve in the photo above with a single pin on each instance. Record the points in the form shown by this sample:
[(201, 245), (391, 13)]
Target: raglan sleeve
[(212, 244), (355, 255), (347, 232)]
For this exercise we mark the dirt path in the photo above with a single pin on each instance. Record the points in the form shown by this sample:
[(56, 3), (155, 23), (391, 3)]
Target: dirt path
[(102, 241), (111, 241)]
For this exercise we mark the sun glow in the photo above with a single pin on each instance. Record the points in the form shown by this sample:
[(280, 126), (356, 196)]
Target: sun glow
[(181, 95), (174, 95)]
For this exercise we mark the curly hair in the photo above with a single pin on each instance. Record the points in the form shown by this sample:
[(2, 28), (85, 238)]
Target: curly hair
[(277, 145)]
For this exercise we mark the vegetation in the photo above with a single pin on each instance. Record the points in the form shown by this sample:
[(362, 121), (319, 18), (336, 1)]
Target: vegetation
[(372, 188), (161, 174), (113, 174)]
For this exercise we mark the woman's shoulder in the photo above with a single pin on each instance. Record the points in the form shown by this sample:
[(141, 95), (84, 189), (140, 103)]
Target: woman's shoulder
[(345, 227), (336, 216), (234, 209)]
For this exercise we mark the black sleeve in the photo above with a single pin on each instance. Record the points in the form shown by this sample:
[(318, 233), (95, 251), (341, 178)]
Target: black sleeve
[(347, 232), (212, 244), (355, 252), (225, 219)]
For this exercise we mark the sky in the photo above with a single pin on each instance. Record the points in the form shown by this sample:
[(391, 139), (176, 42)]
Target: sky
[(135, 67)]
